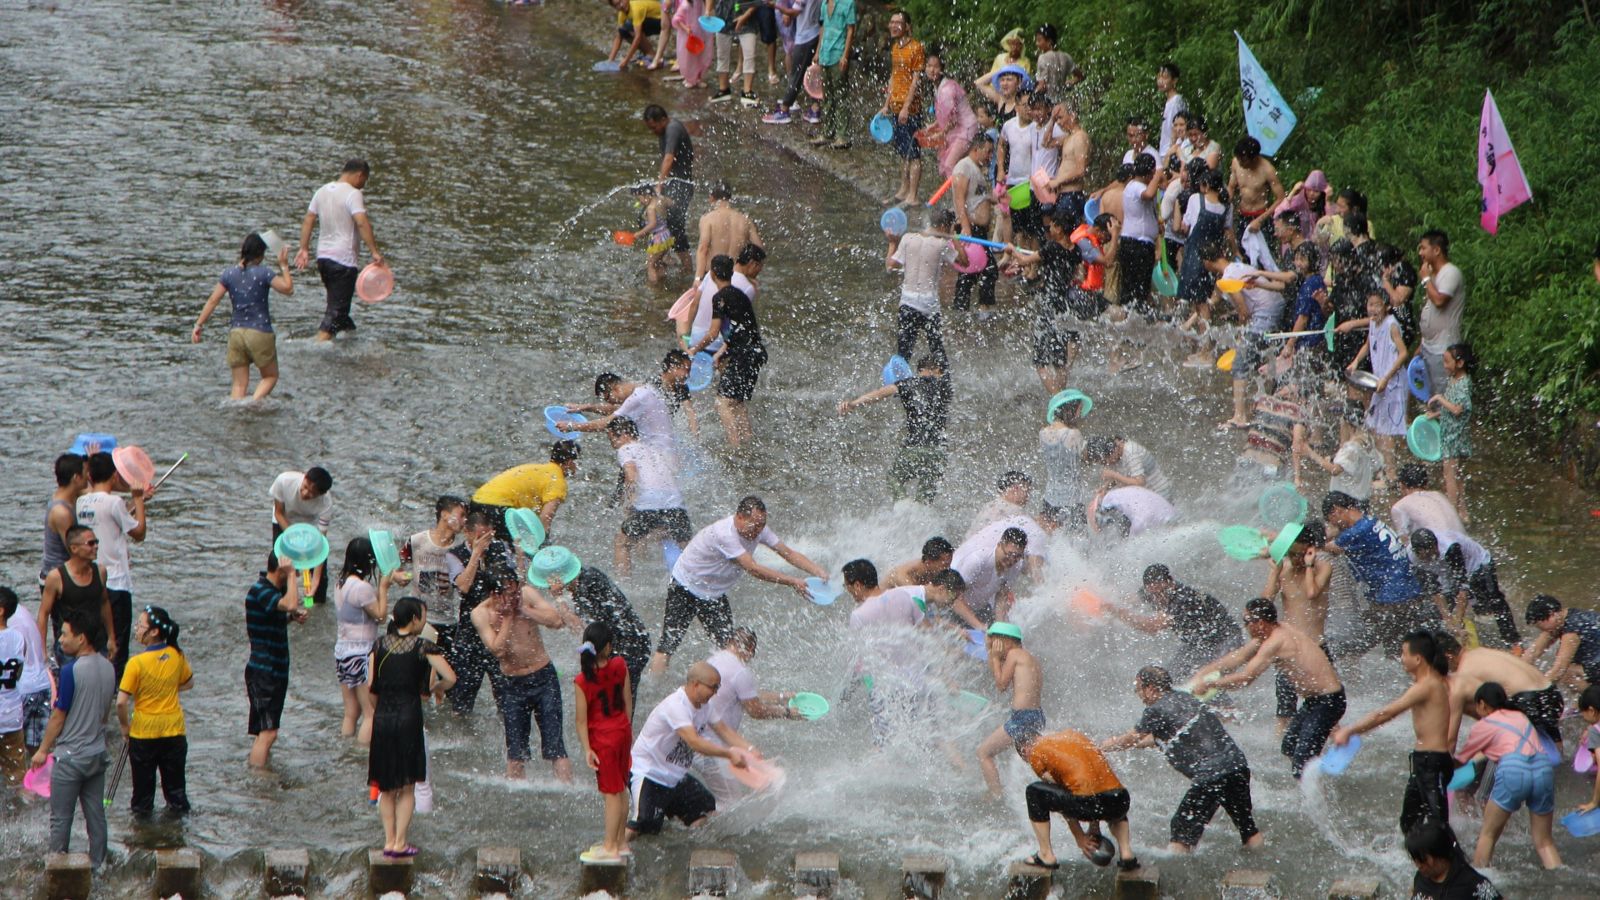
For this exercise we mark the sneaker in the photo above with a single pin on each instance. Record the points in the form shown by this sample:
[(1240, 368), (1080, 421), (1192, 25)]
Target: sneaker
[(795, 106), (722, 95), (779, 116), (749, 99), (812, 117)]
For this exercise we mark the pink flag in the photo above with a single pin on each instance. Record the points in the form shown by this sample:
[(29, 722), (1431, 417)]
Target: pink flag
[(1504, 185)]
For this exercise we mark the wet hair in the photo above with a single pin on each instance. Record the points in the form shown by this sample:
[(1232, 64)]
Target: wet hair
[(1143, 165), (446, 503), (356, 164), (604, 382), (1196, 168), (1248, 149), (565, 451), (654, 113), (1342, 248), (1211, 251), (1431, 837), (253, 248), (68, 467), (84, 624), (101, 467), (1413, 475), (930, 362), (1011, 479), (1389, 254), (950, 580), (1541, 607), (1137, 122), (1590, 698), (902, 14), (1261, 610), (1014, 536), (1048, 32), (162, 622), (674, 359), (1156, 574), (320, 479), (1115, 519), (722, 267), (1068, 413), (1313, 534), (862, 572), (1493, 695), (721, 190), (1154, 677), (751, 253), (75, 530), (745, 637), (1448, 645), (943, 219), (477, 518), (1038, 98), (406, 611), (1099, 449), (1339, 500), (1197, 121), (1353, 199), (621, 425), (1355, 222), (359, 559), (1307, 253), (980, 139), (1423, 643), (1424, 540), (1464, 355), (1171, 68), (1438, 239), (8, 601), (642, 189), (1125, 171), (596, 637), (935, 547), (1288, 218), (750, 504)]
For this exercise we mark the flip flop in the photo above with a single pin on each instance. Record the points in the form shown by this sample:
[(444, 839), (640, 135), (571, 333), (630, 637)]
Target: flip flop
[(1034, 860), (407, 853)]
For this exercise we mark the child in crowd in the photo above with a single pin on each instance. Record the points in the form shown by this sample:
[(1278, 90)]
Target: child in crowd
[(155, 730), (603, 714), (1442, 870), (1522, 774), (652, 232), (1452, 407), (1386, 411), (1589, 709)]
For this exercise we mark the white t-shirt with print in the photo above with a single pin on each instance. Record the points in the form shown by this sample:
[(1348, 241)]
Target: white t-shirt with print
[(707, 568), (657, 488), (738, 685), (336, 205), (659, 754), (13, 652), (316, 511), (108, 515)]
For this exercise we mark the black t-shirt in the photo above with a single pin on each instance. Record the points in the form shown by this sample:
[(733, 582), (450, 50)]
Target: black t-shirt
[(738, 317), (1058, 268), (926, 399), (1192, 737), (595, 598), (675, 140), (497, 566), (1463, 883), (1201, 620)]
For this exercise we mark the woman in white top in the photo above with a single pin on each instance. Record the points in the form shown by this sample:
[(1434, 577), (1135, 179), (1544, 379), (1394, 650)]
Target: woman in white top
[(359, 607)]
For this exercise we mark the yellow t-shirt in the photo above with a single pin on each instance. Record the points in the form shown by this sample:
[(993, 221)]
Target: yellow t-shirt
[(529, 487), (640, 10), (152, 679)]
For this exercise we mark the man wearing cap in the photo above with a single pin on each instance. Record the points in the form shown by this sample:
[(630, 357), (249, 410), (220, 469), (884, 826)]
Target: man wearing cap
[(342, 209), (527, 691), (541, 487), (1299, 656), (1014, 669), (711, 564), (1203, 626), (102, 510), (676, 730), (302, 498), (989, 562), (593, 597)]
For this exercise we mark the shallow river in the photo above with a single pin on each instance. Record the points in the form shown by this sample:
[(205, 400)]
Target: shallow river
[(144, 140)]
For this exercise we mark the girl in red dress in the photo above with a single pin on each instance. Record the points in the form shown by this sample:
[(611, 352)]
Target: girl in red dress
[(604, 717)]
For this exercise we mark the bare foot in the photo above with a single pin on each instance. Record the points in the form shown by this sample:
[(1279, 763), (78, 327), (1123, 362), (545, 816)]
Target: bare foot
[(563, 770), (658, 663)]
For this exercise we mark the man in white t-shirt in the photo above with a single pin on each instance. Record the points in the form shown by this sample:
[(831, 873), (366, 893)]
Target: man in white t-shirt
[(426, 551), (1137, 131), (13, 666), (738, 697), (302, 498), (1445, 289), (711, 564), (906, 606), (1167, 84), (103, 510), (342, 209), (749, 262), (35, 684), (676, 730), (1129, 511), (650, 495), (1419, 507), (922, 257), (640, 401), (989, 562)]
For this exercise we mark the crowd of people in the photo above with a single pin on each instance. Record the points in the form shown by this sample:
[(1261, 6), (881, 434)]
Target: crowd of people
[(1214, 250)]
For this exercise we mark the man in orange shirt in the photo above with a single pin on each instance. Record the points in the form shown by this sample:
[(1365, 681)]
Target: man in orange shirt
[(903, 104), (1077, 782)]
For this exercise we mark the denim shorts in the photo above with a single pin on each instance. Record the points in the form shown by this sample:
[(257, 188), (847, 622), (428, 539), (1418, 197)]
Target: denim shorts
[(1524, 779)]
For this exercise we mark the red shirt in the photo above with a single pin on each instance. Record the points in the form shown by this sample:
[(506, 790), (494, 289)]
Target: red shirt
[(607, 710)]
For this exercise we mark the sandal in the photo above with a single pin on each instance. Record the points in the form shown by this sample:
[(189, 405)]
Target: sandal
[(1034, 860), (407, 853)]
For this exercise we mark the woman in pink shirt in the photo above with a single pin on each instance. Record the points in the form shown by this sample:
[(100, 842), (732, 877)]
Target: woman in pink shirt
[(1522, 774), (953, 120)]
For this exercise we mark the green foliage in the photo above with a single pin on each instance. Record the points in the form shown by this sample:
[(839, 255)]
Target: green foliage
[(1388, 94)]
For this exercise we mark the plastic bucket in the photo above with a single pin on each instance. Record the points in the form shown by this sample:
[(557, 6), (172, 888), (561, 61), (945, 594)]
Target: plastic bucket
[(1225, 361), (812, 81), (80, 445), (1230, 285), (1041, 187), (811, 707), (893, 221), (38, 780), (1091, 210), (1462, 778), (1021, 195), (275, 244), (1070, 395), (1363, 379), (1417, 379), (374, 284), (821, 592), (1336, 759), (882, 128), (555, 415), (624, 238), (302, 545), (969, 704), (525, 528), (1425, 439), (1279, 548), (700, 369), (134, 466), (712, 24), (1242, 542), (897, 370), (694, 44), (1281, 504), (383, 547), (971, 259), (605, 65)]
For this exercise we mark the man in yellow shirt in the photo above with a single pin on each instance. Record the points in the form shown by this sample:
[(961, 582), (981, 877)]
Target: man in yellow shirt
[(156, 741), (541, 487)]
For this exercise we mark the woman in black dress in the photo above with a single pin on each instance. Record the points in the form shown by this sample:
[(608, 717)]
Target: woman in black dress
[(402, 665)]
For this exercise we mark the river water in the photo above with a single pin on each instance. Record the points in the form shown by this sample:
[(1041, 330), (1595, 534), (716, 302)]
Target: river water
[(144, 140)]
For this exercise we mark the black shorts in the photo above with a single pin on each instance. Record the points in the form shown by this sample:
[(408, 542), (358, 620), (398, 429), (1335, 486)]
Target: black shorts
[(1028, 221), (266, 692), (1049, 341), (654, 803), (1199, 804), (739, 373), (1543, 709), (652, 27), (1086, 305), (640, 522), (905, 137), (1045, 798), (1310, 727), (767, 24)]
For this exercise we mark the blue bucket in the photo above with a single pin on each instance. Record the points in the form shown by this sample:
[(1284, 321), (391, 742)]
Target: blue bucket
[(712, 24), (893, 221), (897, 370), (81, 445), (882, 128), (554, 415), (700, 369)]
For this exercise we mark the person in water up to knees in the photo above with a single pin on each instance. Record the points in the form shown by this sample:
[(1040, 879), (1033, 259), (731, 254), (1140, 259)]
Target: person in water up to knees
[(341, 208)]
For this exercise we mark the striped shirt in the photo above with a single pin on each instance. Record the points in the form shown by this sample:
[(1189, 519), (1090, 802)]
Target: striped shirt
[(268, 627)]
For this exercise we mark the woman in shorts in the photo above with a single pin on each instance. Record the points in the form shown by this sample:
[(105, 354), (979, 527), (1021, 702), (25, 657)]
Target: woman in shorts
[(361, 602), (250, 338)]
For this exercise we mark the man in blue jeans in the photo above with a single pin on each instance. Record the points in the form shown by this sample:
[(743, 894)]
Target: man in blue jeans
[(77, 736), (527, 690)]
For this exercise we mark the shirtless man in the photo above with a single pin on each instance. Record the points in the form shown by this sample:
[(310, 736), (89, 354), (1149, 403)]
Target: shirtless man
[(1428, 698), (1015, 670), (1297, 655), (1069, 182), (1300, 583), (724, 231), (1530, 691), (508, 622), (935, 558), (1251, 177)]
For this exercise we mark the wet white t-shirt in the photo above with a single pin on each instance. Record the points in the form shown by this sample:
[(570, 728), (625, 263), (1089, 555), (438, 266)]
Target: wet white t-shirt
[(922, 256), (108, 515), (1019, 140), (702, 309), (659, 754), (336, 204), (658, 489), (35, 670), (1266, 307), (974, 559), (707, 568), (896, 606), (1425, 509), (356, 630), (316, 511), (648, 410), (738, 685), (1144, 508), (13, 652), (1359, 462)]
